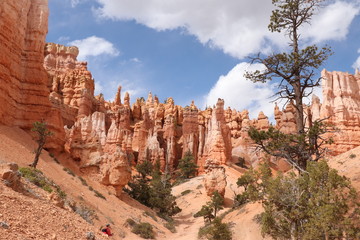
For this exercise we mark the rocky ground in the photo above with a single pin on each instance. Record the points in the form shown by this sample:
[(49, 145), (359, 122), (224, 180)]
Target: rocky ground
[(37, 217), (31, 214)]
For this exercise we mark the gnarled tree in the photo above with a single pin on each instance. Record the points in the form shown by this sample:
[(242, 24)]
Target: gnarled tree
[(295, 73), (42, 134)]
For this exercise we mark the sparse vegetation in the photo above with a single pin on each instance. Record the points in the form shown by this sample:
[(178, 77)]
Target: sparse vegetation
[(171, 226), (185, 192), (99, 195), (85, 212), (217, 230), (36, 177), (131, 222), (144, 230), (210, 210), (42, 131), (352, 156), (69, 171), (83, 181), (150, 214)]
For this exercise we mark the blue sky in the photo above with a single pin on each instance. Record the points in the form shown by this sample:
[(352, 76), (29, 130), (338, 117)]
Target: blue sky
[(192, 49)]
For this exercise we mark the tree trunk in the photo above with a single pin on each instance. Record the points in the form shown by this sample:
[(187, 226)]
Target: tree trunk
[(37, 155)]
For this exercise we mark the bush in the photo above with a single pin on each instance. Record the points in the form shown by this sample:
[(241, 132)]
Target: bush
[(69, 171), (99, 195), (171, 226), (219, 231), (36, 177), (144, 230), (185, 192), (83, 181), (215, 231), (131, 222), (352, 156), (241, 199), (241, 162), (150, 214)]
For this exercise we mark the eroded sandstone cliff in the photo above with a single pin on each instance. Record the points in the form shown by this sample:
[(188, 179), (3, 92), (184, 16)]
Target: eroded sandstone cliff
[(24, 96)]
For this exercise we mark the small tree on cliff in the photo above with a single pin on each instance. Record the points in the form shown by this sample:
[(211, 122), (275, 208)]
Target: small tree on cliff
[(40, 128), (187, 166), (295, 73)]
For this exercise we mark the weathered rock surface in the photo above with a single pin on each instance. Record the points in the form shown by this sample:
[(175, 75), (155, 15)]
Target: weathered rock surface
[(24, 96), (215, 177), (10, 175), (340, 107)]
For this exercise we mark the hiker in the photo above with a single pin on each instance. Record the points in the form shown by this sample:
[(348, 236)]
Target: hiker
[(107, 230)]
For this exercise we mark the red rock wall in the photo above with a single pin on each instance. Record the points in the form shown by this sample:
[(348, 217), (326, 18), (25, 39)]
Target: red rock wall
[(24, 96), (341, 107)]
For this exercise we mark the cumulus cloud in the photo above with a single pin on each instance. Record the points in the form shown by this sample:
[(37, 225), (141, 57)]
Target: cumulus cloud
[(238, 27), (240, 93), (357, 62), (332, 22), (94, 46)]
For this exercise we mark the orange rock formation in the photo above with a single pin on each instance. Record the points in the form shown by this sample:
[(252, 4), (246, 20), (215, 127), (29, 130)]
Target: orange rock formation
[(24, 96)]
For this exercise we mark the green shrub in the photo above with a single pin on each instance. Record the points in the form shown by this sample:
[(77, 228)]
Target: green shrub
[(185, 192), (83, 181), (170, 226), (99, 195), (69, 171), (352, 156), (215, 231), (150, 214), (144, 230), (36, 177), (131, 222), (57, 161), (241, 162), (60, 192)]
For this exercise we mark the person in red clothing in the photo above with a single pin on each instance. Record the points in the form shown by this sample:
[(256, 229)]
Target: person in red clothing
[(107, 230)]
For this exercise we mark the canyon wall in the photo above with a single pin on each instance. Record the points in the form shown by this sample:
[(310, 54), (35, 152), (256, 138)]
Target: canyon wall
[(341, 108), (24, 96)]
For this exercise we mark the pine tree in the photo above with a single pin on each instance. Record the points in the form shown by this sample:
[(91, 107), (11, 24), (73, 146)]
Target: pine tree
[(319, 204), (42, 134), (210, 210), (187, 166), (295, 73)]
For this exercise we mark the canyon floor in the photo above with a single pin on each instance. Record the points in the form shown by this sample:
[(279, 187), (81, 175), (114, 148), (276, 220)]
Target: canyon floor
[(37, 217)]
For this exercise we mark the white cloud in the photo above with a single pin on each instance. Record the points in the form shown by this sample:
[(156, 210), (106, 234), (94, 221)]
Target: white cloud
[(94, 46), (74, 3), (332, 22), (357, 62), (238, 27), (240, 93)]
